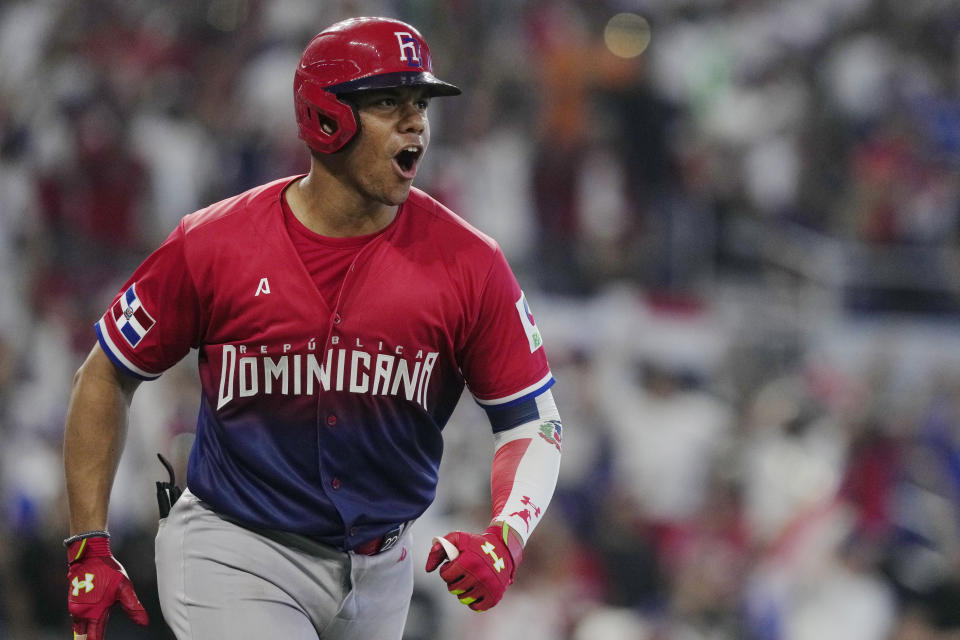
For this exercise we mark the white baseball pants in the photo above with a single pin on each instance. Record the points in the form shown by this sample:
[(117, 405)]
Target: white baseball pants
[(219, 580)]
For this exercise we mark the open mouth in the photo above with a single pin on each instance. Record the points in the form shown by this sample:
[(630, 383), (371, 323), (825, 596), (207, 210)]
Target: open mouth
[(406, 161)]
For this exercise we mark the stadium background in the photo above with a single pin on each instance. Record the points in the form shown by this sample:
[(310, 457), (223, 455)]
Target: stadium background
[(737, 225)]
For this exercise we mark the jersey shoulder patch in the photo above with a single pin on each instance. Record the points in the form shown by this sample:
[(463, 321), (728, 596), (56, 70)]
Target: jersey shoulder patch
[(529, 324), (131, 317)]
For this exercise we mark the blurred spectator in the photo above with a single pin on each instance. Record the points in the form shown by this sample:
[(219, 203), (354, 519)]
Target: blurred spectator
[(573, 67), (669, 436)]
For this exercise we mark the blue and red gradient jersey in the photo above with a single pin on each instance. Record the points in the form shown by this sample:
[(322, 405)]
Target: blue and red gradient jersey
[(325, 418)]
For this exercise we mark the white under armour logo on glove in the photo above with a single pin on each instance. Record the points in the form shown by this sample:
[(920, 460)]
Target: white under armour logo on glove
[(86, 584), (490, 550)]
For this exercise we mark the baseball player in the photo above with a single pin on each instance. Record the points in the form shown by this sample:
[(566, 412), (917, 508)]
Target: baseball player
[(338, 316)]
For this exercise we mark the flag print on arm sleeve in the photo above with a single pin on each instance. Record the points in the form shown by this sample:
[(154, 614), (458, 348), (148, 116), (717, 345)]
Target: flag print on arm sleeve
[(504, 362), (155, 318)]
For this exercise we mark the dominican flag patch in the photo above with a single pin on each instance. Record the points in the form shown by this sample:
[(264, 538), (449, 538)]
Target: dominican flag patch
[(529, 324), (131, 318)]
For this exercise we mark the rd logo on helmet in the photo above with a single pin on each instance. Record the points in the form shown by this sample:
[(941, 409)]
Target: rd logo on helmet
[(408, 43)]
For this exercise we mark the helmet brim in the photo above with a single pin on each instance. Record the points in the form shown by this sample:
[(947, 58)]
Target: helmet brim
[(435, 86)]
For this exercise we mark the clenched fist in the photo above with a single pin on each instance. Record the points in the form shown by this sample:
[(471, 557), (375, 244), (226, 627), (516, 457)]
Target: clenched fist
[(477, 568)]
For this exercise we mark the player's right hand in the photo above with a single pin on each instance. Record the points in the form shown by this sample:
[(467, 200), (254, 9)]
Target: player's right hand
[(95, 582)]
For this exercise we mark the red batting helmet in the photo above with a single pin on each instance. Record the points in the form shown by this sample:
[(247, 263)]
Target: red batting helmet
[(353, 55)]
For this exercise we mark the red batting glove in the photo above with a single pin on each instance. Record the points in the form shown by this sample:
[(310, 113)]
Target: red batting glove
[(483, 567), (96, 581)]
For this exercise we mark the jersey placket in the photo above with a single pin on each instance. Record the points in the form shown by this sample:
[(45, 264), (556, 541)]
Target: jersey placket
[(326, 417)]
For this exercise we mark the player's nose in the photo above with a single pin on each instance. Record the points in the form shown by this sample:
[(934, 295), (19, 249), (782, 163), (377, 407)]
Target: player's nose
[(413, 118)]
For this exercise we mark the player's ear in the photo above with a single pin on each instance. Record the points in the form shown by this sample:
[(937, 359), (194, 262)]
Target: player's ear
[(328, 126)]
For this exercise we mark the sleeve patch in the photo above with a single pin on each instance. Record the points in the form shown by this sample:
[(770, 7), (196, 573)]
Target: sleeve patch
[(117, 356), (529, 324), (132, 319), (551, 431)]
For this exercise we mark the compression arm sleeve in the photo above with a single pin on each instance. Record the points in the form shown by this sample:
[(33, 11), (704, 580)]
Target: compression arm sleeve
[(525, 468)]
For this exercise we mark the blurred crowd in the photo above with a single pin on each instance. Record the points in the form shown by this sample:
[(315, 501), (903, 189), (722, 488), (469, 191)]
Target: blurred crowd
[(739, 238)]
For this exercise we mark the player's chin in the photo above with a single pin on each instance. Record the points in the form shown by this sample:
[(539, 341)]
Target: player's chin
[(399, 194)]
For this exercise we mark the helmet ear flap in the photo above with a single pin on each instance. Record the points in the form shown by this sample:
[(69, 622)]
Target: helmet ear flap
[(355, 55), (326, 124)]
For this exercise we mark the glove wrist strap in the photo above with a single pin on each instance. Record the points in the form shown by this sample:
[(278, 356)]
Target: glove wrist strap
[(98, 533), (88, 545), (510, 539)]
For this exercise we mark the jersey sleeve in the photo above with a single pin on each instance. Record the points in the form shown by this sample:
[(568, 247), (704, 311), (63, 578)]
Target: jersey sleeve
[(504, 362), (155, 318)]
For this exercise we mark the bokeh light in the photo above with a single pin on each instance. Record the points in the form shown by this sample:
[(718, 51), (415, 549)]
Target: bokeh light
[(627, 35)]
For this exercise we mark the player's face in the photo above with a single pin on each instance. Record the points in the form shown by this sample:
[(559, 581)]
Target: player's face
[(394, 133)]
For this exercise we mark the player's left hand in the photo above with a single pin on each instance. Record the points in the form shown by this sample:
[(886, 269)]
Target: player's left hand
[(479, 567), (97, 581)]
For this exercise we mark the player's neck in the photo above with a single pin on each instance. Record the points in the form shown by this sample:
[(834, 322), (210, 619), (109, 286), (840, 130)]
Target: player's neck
[(327, 207)]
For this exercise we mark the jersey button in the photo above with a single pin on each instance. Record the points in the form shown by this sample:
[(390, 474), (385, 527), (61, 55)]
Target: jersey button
[(336, 319), (335, 483), (353, 531), (331, 420)]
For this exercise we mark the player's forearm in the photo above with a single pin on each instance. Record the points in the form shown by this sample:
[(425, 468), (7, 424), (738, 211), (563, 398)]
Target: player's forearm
[(94, 435), (525, 469)]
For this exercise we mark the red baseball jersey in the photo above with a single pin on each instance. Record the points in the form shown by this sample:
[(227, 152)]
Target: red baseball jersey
[(325, 418)]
